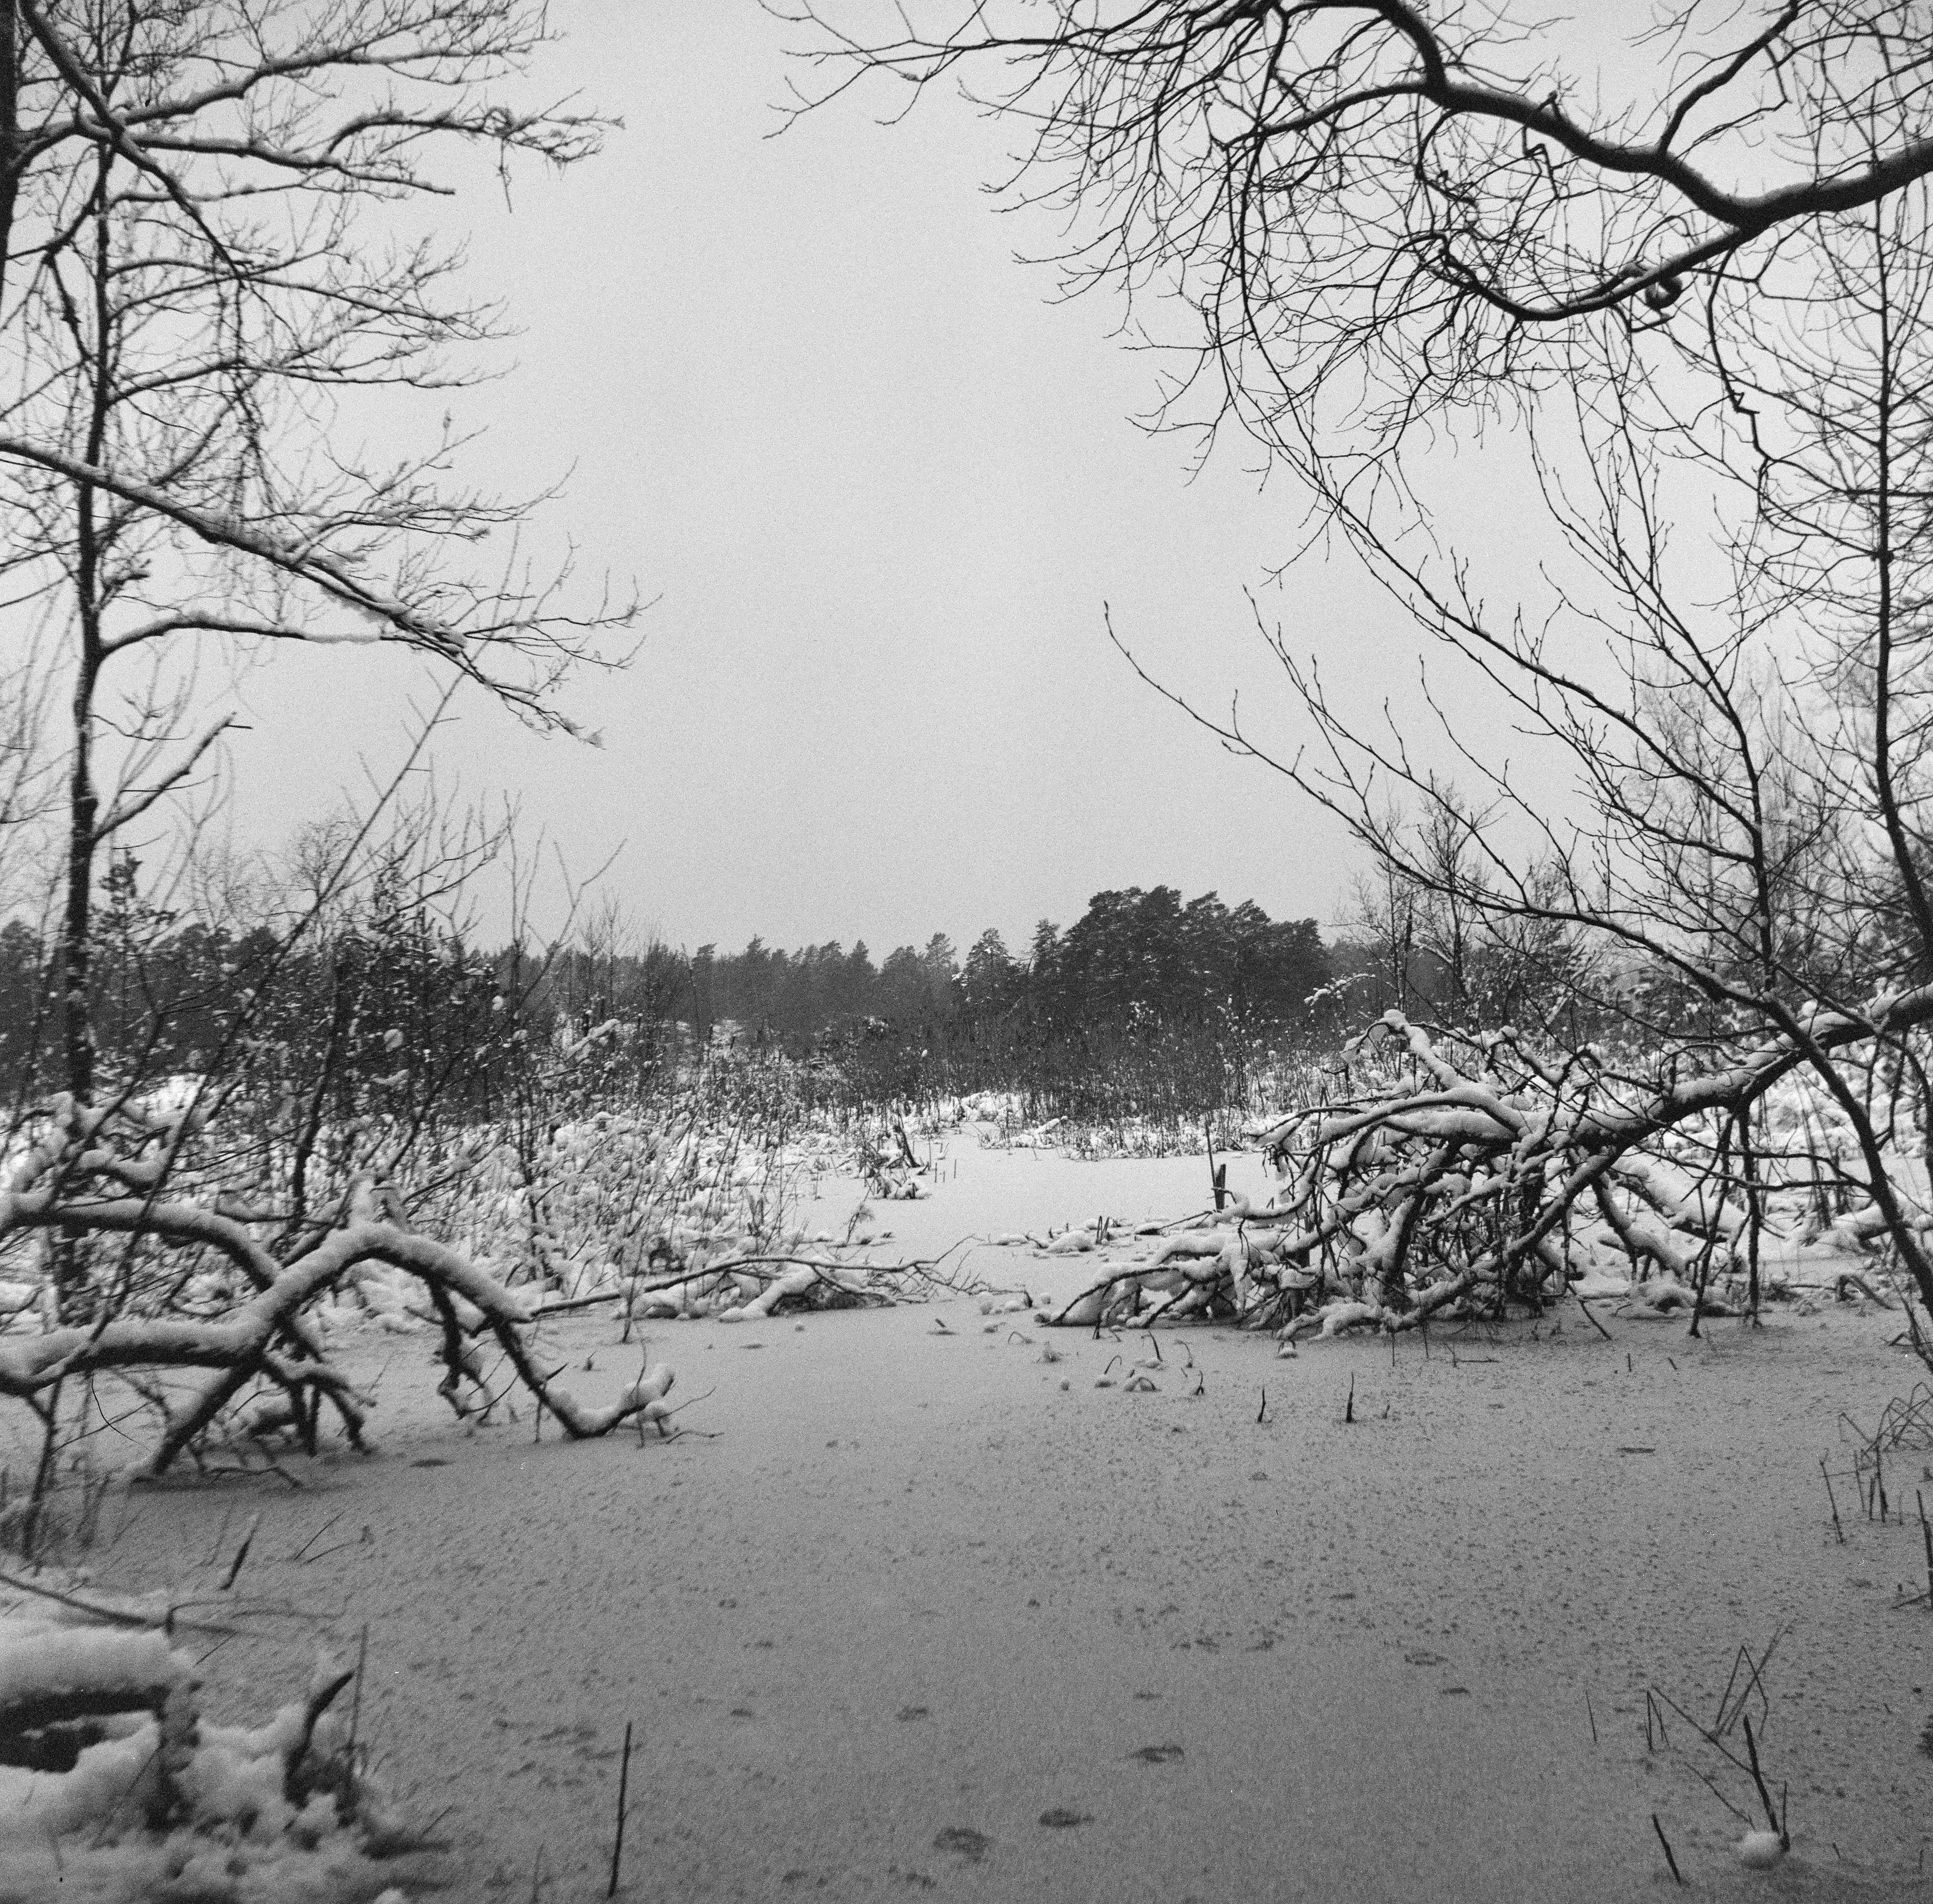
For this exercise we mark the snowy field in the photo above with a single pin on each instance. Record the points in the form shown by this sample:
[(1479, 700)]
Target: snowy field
[(917, 1606)]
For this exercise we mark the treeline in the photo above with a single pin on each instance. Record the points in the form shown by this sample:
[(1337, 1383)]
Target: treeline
[(382, 1015), (1138, 957), (1148, 1006), (1190, 992)]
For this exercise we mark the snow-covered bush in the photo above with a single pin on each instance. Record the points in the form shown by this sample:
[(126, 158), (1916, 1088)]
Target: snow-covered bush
[(190, 1276), (114, 1787)]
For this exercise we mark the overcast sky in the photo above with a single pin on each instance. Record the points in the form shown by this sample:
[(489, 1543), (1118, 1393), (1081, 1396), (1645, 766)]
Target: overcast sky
[(879, 486)]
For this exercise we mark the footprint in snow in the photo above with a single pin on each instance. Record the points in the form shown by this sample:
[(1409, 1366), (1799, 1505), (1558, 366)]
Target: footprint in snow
[(963, 1841)]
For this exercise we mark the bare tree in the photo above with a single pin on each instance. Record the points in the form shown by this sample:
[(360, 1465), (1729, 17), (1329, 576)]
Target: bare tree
[(1380, 209), (1708, 308), (1746, 840), (190, 294), (201, 295)]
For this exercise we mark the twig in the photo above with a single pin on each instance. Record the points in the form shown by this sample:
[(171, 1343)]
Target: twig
[(1677, 1874), (623, 1789), (1590, 1316), (582, 1302), (1772, 1817), (241, 1553), (1753, 1683), (319, 1703), (116, 1615), (1710, 1784), (303, 1549), (1926, 1535), (1712, 1739)]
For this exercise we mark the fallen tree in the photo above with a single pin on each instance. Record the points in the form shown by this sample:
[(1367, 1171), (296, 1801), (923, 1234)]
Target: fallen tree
[(1477, 1171), (99, 1174)]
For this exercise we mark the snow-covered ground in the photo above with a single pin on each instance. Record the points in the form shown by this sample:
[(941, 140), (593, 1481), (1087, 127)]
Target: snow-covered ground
[(920, 1605)]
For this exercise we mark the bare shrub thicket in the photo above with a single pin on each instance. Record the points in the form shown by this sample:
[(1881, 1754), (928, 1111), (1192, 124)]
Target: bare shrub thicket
[(339, 1108), (202, 322), (1691, 334)]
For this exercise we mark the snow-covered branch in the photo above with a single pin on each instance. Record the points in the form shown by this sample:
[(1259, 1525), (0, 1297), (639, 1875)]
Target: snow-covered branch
[(1474, 1172), (264, 1334)]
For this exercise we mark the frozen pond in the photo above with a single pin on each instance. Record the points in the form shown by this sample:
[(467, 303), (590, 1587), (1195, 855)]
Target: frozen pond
[(978, 1192), (931, 1601)]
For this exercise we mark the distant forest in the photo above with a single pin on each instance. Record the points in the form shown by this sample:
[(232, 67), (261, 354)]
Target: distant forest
[(1147, 1005), (1189, 995), (1132, 958)]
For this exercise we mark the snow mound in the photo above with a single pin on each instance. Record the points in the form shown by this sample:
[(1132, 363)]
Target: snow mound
[(114, 1789)]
